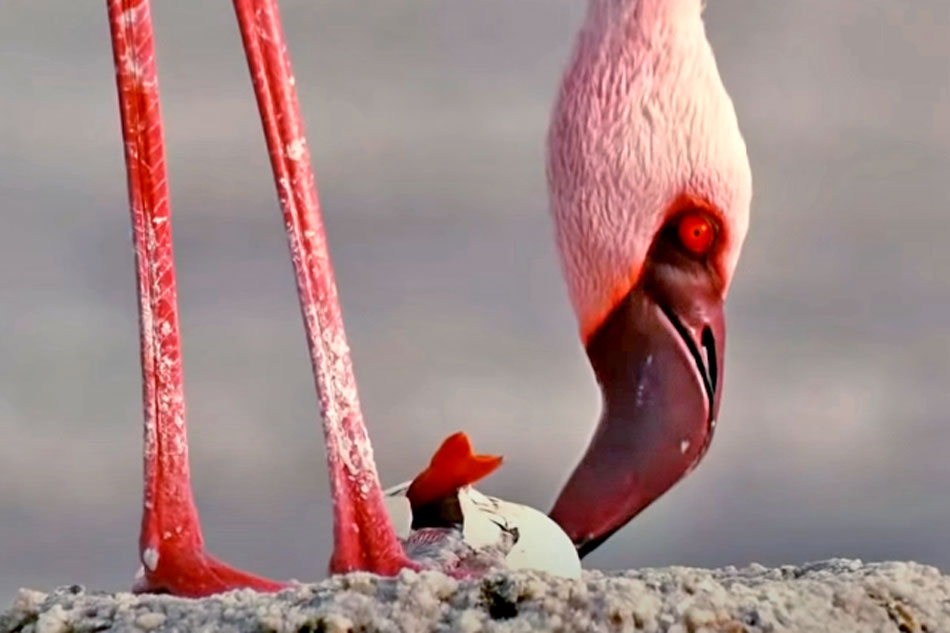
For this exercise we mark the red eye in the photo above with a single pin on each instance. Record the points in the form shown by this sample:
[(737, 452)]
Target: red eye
[(696, 232)]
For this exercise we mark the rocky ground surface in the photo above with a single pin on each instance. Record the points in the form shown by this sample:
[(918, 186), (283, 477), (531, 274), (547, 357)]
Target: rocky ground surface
[(834, 596)]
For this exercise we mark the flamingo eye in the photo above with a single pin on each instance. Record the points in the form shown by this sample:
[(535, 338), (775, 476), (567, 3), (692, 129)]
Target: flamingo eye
[(696, 232)]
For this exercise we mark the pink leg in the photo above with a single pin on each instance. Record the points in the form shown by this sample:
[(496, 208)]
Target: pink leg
[(171, 544), (364, 538)]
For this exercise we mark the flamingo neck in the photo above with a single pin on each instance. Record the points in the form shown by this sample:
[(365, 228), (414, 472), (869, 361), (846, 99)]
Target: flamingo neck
[(647, 11)]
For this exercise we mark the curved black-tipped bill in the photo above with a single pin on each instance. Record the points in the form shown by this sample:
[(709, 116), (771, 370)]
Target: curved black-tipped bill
[(658, 359)]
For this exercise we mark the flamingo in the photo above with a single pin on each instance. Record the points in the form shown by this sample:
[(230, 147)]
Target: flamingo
[(650, 190)]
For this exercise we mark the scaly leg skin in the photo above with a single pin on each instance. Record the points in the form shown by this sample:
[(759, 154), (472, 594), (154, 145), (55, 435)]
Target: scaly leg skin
[(364, 538), (171, 545)]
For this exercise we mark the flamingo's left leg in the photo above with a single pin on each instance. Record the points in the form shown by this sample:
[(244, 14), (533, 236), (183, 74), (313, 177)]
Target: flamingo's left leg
[(364, 538)]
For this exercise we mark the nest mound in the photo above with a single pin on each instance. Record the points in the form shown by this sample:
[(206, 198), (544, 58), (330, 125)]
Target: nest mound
[(836, 595)]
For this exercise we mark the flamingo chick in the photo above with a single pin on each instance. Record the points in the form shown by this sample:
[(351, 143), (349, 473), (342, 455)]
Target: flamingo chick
[(445, 523)]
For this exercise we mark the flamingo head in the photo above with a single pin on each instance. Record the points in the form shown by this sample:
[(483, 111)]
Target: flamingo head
[(650, 190)]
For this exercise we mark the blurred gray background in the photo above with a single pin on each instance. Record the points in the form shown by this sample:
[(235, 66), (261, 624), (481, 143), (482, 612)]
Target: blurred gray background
[(427, 121)]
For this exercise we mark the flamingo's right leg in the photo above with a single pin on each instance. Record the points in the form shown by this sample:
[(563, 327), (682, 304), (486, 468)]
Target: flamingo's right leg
[(171, 545)]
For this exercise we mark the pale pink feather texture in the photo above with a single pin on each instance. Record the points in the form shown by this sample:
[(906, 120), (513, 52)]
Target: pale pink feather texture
[(642, 118)]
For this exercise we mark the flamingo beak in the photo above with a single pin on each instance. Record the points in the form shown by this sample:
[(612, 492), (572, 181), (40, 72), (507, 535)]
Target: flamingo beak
[(659, 360)]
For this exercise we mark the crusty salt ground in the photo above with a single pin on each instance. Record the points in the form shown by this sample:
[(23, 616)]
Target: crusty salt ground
[(832, 596)]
